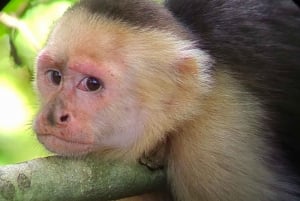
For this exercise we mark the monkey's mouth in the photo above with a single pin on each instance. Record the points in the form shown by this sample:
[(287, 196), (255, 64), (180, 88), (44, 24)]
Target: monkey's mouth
[(63, 146)]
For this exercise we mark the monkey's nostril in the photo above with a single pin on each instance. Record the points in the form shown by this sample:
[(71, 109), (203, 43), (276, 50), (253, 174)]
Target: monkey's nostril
[(64, 118)]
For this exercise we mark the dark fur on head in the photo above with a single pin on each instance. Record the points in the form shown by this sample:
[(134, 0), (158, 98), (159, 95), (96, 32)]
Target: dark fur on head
[(139, 13)]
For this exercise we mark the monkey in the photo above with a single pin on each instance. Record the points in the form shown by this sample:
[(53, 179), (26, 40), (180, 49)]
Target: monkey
[(206, 89)]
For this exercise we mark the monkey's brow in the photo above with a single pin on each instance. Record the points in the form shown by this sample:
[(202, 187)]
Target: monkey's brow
[(45, 59)]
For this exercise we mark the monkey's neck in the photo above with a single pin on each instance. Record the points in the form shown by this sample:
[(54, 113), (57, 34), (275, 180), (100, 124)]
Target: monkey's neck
[(229, 119), (226, 144)]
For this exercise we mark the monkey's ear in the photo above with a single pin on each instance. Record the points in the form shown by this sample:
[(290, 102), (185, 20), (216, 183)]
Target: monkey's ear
[(187, 66), (194, 62)]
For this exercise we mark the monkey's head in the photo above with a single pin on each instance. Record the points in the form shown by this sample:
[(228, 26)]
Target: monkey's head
[(106, 84)]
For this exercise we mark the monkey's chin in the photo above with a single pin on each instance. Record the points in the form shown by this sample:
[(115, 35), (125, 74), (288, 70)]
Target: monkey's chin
[(65, 147)]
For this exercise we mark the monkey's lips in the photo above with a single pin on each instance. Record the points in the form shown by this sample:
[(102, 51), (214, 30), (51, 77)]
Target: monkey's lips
[(62, 146)]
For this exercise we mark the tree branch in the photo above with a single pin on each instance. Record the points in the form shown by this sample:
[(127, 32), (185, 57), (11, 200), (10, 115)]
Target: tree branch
[(57, 178)]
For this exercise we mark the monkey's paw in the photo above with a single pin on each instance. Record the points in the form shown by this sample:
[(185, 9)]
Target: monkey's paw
[(155, 159)]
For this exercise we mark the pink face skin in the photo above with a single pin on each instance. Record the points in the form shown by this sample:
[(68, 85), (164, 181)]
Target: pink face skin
[(85, 106)]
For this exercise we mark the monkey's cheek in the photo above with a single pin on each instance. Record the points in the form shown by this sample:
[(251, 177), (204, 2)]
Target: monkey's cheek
[(63, 147)]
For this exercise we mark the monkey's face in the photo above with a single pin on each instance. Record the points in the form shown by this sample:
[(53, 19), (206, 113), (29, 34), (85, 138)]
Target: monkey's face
[(87, 101), (85, 104), (104, 85)]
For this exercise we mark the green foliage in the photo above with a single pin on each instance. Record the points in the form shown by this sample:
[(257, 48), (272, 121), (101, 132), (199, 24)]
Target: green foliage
[(24, 27), (38, 20)]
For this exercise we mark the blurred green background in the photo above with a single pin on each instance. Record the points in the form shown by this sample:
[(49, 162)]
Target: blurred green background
[(24, 26)]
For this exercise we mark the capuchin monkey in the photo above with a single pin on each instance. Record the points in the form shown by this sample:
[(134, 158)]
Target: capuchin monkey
[(207, 89)]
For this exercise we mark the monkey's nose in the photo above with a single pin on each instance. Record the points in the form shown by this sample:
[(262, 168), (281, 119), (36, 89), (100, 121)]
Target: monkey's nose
[(56, 118), (64, 118)]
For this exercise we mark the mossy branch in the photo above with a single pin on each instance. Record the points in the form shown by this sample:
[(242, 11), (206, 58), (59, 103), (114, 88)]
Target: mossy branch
[(57, 178)]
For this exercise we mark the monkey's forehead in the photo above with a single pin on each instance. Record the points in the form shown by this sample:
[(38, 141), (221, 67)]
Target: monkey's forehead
[(80, 29), (80, 34)]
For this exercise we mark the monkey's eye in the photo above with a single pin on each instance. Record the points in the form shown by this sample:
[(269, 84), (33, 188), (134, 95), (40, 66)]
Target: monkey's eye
[(54, 76), (90, 84)]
